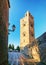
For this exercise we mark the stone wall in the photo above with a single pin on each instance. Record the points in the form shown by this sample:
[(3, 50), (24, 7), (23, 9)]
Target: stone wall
[(26, 30), (4, 12)]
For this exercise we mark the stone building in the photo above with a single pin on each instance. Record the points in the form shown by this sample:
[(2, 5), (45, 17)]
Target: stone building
[(37, 50), (4, 18), (26, 30)]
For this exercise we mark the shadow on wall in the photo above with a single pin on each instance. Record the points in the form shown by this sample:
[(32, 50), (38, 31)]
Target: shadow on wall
[(42, 50), (36, 51)]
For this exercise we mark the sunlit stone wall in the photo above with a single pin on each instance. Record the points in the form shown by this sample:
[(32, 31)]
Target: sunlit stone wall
[(26, 30)]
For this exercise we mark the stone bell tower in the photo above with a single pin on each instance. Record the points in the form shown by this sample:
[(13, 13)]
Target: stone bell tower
[(26, 30)]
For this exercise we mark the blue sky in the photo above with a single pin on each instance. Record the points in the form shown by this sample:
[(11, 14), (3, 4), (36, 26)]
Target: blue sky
[(17, 11)]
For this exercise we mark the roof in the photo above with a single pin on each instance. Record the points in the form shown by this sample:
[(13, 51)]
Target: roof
[(42, 37)]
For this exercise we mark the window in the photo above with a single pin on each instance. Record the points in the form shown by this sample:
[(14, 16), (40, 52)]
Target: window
[(24, 24), (23, 34), (29, 14), (32, 34), (26, 14), (31, 25)]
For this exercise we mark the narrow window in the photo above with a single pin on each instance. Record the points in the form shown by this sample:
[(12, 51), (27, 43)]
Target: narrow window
[(32, 34), (23, 34), (31, 25), (24, 24)]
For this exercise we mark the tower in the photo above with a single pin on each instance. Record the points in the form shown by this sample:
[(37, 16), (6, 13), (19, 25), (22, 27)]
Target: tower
[(26, 30)]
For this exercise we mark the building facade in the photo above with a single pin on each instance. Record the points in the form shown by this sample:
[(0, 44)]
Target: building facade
[(4, 18), (26, 30)]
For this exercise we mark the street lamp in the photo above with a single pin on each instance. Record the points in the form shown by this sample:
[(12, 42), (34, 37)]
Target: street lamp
[(13, 29)]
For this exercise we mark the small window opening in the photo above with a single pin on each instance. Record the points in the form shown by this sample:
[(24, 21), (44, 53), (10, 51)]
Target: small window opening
[(32, 34), (23, 34), (31, 25), (24, 24)]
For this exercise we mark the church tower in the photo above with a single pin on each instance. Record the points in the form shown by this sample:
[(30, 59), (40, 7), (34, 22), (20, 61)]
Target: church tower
[(26, 30)]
